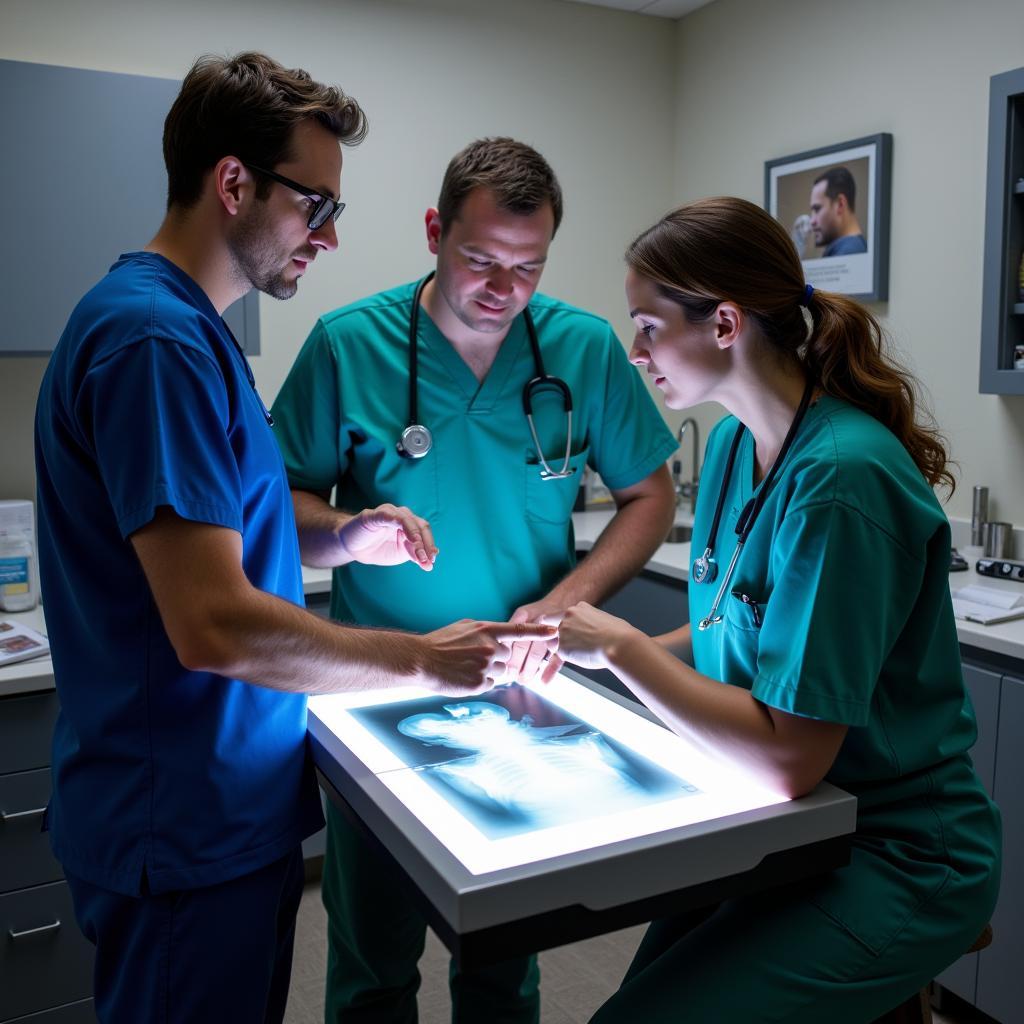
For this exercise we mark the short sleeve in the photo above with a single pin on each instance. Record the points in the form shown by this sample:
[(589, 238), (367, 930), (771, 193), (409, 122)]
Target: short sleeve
[(307, 417), (631, 440), (843, 591), (157, 416)]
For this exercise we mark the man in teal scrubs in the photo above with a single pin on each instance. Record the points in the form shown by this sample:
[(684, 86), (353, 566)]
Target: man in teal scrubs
[(503, 532)]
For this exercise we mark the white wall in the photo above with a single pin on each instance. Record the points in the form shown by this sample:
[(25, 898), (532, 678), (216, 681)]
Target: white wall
[(593, 89), (636, 114), (762, 80)]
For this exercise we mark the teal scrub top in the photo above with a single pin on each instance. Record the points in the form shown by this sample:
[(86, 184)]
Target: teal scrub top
[(847, 616), (848, 619), (504, 534)]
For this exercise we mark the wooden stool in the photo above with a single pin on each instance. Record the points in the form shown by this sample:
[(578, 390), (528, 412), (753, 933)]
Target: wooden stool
[(918, 1008)]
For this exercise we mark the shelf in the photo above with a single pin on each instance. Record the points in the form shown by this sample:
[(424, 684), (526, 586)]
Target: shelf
[(1002, 307)]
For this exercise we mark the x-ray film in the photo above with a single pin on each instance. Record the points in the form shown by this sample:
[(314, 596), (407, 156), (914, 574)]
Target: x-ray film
[(523, 773)]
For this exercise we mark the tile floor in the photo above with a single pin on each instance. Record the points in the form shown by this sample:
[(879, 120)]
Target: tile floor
[(576, 979)]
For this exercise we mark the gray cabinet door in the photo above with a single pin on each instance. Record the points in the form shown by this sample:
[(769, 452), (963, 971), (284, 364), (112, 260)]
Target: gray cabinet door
[(999, 966), (961, 977), (26, 729), (25, 857), (44, 959), (82, 181)]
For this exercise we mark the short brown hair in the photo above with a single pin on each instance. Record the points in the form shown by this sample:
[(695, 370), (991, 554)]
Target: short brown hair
[(839, 182), (246, 106), (520, 178)]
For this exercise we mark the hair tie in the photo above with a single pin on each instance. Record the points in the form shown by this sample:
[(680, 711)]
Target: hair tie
[(808, 292)]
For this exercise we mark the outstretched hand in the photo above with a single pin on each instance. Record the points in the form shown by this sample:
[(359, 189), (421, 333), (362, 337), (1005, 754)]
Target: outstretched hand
[(531, 659), (389, 535), (469, 657), (585, 635)]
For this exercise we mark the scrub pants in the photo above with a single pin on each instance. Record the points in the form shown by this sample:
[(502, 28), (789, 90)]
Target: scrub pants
[(845, 947), (375, 937), (218, 953)]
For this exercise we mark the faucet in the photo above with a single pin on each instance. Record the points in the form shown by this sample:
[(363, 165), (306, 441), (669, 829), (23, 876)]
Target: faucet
[(689, 489)]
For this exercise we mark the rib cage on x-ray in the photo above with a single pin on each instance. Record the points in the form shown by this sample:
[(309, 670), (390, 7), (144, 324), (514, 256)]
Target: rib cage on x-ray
[(540, 776)]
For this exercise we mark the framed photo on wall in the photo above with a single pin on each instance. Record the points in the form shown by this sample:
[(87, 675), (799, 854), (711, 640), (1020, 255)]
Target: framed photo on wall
[(835, 204)]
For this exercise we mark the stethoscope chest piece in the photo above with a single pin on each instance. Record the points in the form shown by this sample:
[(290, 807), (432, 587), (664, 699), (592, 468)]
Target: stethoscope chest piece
[(415, 442), (705, 568)]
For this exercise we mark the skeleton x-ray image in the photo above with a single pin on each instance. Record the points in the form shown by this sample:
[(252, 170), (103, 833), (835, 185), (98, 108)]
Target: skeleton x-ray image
[(512, 762)]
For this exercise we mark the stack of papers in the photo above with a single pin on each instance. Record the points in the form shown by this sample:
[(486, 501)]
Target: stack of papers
[(18, 643), (987, 605)]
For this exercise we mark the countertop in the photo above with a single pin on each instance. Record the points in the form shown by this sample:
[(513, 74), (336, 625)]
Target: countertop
[(670, 560)]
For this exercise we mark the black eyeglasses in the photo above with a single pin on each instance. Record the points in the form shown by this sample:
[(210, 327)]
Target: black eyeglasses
[(325, 207)]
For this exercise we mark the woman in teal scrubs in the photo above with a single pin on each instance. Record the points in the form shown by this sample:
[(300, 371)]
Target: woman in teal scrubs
[(832, 652)]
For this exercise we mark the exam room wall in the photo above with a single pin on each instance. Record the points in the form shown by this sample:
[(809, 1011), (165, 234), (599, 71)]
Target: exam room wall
[(757, 81), (591, 88)]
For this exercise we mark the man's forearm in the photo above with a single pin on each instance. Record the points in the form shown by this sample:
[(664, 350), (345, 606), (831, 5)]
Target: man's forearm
[(318, 524), (265, 640)]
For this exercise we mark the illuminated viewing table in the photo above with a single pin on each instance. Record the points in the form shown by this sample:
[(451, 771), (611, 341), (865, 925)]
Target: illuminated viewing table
[(525, 818)]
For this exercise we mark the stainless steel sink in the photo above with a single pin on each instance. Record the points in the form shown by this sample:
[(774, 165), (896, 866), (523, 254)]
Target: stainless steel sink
[(679, 534)]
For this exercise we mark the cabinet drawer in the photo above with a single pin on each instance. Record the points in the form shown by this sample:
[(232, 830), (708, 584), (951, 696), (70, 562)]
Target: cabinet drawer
[(26, 729), (83, 1012), (41, 968), (25, 857)]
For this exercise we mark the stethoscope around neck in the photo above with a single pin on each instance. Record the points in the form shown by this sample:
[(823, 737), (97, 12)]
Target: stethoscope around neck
[(416, 439), (705, 569)]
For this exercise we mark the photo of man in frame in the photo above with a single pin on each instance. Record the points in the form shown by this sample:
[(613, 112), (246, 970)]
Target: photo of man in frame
[(821, 208)]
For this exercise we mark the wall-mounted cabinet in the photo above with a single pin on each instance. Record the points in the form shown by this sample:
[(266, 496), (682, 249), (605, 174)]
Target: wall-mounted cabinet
[(82, 180), (1002, 318)]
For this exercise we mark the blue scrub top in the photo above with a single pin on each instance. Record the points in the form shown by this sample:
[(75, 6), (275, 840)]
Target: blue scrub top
[(182, 778)]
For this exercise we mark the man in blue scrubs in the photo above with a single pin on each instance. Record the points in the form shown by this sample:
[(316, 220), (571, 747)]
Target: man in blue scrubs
[(171, 574), (484, 493)]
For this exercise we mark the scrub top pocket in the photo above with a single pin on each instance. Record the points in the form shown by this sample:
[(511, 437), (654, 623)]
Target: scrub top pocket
[(744, 611), (551, 501)]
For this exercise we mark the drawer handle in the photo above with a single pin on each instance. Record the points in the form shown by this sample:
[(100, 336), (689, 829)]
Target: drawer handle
[(52, 927), (36, 812)]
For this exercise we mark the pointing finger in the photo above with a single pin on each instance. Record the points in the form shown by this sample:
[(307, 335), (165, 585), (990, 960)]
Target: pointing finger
[(505, 631)]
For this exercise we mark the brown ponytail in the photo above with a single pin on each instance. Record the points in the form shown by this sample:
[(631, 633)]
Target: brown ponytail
[(722, 249), (847, 355)]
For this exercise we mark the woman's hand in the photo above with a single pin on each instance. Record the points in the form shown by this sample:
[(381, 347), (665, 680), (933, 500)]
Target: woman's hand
[(586, 635)]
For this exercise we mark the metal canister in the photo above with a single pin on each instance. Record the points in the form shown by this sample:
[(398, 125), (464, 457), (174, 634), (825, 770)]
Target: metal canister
[(999, 540), (979, 515)]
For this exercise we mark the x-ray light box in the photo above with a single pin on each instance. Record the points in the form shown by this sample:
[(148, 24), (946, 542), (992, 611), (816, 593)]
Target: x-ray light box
[(527, 799)]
